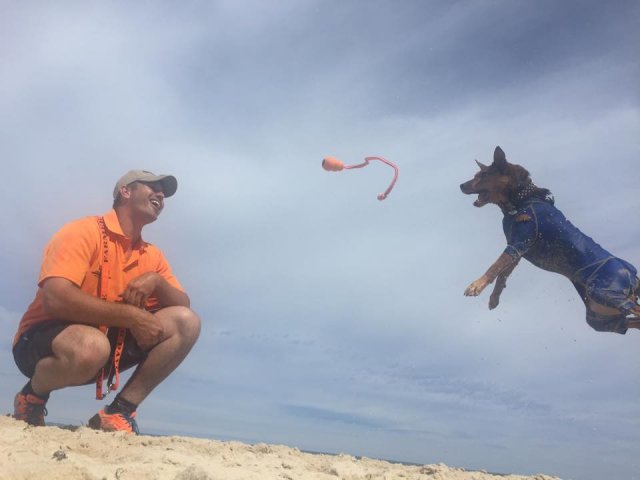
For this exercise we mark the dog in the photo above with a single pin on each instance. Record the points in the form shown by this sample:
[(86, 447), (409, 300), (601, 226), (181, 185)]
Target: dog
[(536, 230)]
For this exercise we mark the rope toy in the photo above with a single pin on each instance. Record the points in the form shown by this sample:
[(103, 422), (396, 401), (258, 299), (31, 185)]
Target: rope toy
[(332, 164)]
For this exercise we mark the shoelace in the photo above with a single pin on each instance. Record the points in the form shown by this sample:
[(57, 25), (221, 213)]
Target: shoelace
[(35, 410), (134, 427), (130, 419), (132, 422)]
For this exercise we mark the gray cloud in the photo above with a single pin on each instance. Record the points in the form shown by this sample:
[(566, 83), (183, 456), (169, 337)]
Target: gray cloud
[(332, 321)]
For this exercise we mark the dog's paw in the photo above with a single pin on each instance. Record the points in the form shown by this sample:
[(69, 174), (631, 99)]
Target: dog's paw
[(493, 302), (476, 288)]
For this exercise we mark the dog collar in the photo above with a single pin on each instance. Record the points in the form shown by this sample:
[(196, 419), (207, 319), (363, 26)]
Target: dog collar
[(525, 191)]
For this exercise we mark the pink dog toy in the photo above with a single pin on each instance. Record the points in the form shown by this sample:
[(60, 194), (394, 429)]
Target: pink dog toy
[(332, 164)]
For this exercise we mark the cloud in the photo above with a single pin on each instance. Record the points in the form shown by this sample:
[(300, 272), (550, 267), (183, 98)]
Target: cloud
[(333, 321)]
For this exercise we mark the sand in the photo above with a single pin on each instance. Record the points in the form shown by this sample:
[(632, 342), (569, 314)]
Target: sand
[(54, 453)]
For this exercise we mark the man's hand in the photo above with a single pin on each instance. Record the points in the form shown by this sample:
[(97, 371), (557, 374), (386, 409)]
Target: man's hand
[(477, 287), (140, 288), (146, 329), (64, 300)]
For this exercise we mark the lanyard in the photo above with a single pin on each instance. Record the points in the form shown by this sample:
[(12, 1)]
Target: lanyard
[(114, 370)]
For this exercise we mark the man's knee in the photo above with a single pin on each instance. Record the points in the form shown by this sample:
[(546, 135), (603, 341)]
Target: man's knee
[(182, 321), (94, 352), (82, 346), (189, 322)]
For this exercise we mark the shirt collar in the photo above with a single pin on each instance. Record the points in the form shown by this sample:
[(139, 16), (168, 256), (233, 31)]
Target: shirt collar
[(112, 222), (113, 225)]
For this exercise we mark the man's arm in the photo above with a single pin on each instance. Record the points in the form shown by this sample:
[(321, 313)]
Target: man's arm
[(140, 288), (63, 300)]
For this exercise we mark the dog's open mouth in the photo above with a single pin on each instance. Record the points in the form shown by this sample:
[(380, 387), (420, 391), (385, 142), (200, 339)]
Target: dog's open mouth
[(482, 200)]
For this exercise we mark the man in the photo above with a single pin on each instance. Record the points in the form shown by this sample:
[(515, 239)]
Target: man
[(98, 276)]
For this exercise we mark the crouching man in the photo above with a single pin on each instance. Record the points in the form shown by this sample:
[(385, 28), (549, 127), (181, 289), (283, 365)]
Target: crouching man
[(107, 301)]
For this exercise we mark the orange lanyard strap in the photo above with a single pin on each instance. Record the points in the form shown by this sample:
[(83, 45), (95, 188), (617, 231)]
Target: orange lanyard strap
[(114, 370)]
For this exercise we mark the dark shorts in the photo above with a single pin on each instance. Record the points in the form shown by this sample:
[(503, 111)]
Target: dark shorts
[(35, 344)]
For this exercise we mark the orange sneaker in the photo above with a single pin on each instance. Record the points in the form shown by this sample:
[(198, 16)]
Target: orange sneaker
[(114, 422), (30, 409)]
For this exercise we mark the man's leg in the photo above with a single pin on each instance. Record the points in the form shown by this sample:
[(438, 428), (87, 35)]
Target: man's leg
[(181, 330), (54, 356), (79, 352)]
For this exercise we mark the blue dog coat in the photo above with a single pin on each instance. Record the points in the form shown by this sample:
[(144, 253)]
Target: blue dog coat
[(539, 232)]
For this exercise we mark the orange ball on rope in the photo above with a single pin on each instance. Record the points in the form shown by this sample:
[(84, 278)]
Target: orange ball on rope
[(332, 164)]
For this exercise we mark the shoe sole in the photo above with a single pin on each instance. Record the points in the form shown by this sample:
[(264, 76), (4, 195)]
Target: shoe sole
[(95, 422)]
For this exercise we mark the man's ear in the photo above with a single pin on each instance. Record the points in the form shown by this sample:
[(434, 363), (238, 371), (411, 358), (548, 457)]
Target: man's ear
[(499, 158), (125, 191)]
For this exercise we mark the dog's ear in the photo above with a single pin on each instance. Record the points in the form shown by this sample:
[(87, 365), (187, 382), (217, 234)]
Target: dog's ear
[(482, 166), (499, 159)]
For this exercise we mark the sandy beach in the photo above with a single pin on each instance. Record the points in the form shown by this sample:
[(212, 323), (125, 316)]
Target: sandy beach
[(34, 453)]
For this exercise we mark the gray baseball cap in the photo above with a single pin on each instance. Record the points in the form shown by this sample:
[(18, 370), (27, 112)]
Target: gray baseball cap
[(169, 182)]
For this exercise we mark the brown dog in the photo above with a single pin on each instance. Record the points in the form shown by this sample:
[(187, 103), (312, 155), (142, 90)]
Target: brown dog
[(536, 230)]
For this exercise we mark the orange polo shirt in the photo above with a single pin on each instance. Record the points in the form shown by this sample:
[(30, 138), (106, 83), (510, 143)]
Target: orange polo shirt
[(75, 253)]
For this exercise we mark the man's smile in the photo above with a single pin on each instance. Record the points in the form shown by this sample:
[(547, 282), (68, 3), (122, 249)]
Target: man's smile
[(157, 204)]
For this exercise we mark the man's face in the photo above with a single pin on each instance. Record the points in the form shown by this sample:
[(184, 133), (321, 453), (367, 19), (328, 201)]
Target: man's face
[(146, 200)]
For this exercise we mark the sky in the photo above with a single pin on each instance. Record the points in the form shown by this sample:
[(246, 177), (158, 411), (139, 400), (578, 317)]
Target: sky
[(332, 321)]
